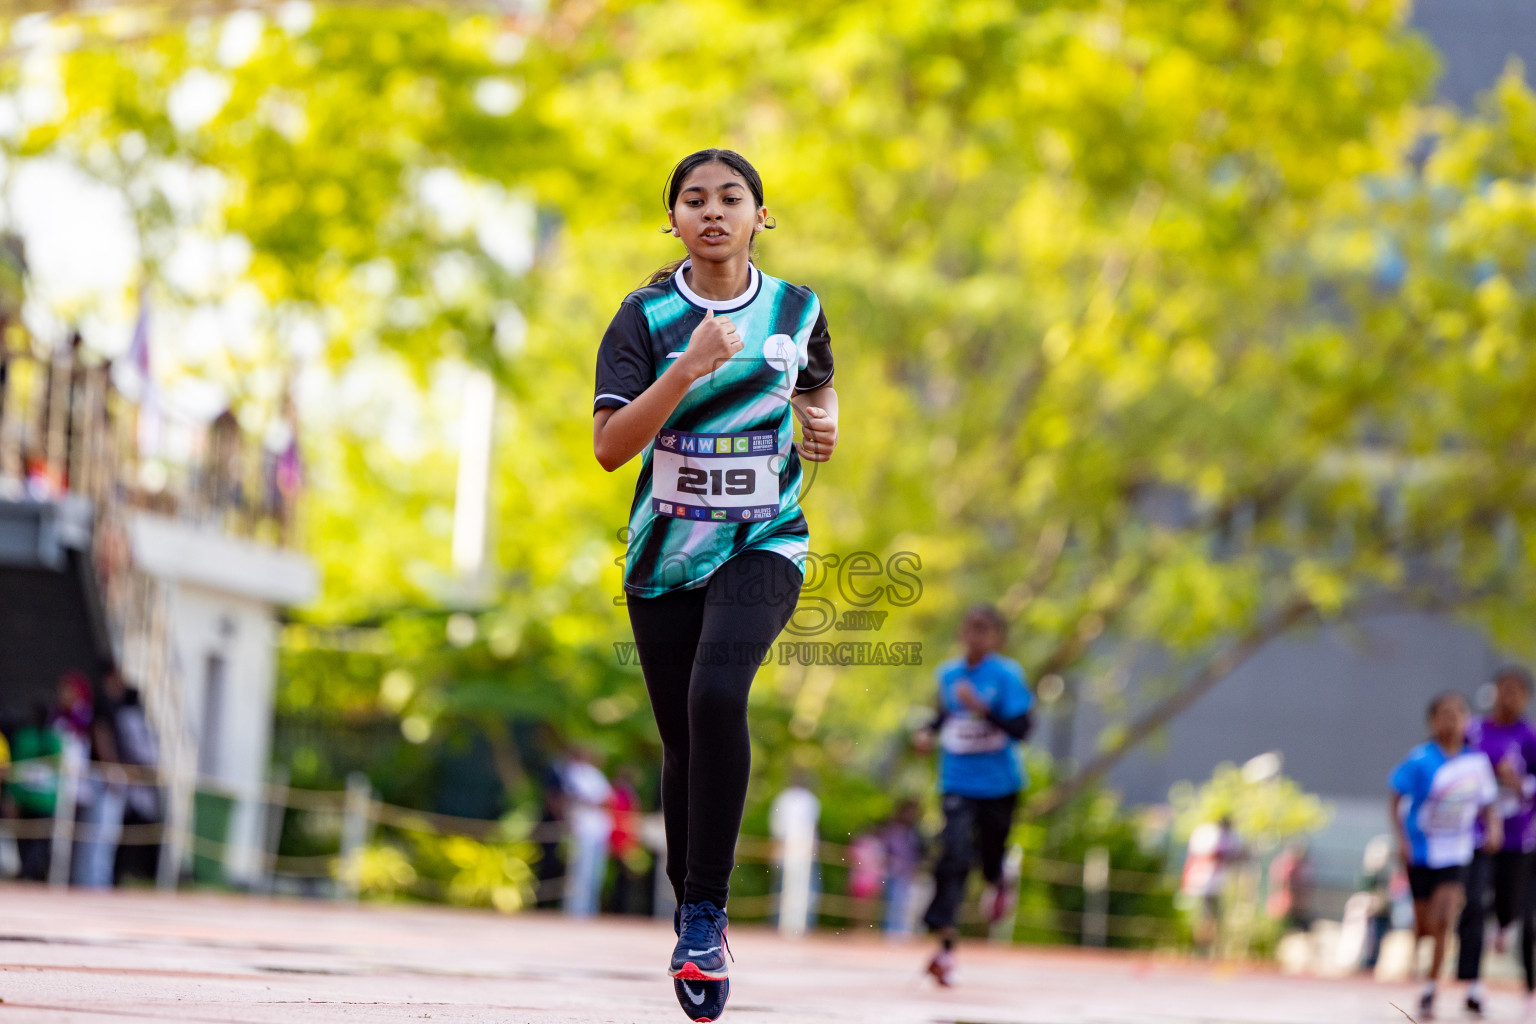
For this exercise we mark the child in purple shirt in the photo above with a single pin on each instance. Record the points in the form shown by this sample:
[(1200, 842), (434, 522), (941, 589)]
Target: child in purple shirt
[(1510, 743)]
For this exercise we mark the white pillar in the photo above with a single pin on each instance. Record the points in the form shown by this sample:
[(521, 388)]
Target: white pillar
[(176, 839), (274, 809), (471, 506), (1096, 896), (71, 771), (357, 817), (798, 866)]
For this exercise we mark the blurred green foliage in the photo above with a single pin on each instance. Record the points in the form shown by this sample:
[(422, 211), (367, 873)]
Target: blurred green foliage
[(453, 868), (1140, 900), (1266, 812)]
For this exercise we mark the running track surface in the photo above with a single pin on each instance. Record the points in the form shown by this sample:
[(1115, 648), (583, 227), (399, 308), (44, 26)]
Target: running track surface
[(124, 957)]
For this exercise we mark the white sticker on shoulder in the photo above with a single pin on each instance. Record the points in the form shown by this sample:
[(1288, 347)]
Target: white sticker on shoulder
[(779, 352)]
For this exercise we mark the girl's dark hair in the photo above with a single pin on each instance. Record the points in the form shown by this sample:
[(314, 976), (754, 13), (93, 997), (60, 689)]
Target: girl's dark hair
[(990, 613), (1519, 673), (1439, 699), (686, 166)]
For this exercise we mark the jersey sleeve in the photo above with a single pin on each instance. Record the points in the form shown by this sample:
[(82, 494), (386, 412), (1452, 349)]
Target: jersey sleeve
[(817, 370), (624, 368), (1016, 696), (1488, 783), (1405, 778)]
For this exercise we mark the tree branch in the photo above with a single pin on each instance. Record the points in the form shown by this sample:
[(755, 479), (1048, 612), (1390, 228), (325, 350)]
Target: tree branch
[(510, 771), (1177, 703)]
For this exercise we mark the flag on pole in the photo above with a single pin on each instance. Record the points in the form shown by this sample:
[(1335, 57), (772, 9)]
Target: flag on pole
[(138, 368), (138, 348)]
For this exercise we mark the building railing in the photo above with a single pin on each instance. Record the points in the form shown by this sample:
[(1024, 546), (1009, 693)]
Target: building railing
[(66, 428)]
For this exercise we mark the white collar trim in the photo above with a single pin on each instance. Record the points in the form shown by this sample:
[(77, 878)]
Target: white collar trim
[(718, 305)]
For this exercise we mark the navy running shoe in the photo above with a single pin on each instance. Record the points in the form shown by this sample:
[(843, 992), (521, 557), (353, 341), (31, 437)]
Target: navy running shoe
[(701, 946), (702, 1001)]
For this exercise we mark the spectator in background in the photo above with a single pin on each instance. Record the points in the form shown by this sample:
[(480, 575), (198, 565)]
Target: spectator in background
[(104, 793), (285, 473), (904, 852), (223, 483), (10, 864), (1376, 879), (1290, 888), (552, 835), (73, 712), (866, 877), (136, 747), (35, 791), (1213, 849), (589, 801), (44, 481), (624, 842)]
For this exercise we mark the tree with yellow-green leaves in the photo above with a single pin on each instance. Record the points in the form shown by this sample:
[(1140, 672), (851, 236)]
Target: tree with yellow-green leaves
[(1147, 321)]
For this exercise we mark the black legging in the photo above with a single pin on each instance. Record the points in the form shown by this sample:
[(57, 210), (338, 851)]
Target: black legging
[(975, 828), (1508, 874), (699, 650)]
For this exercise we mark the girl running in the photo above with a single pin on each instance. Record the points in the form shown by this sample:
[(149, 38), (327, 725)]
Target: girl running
[(984, 711), (1448, 786), (698, 374)]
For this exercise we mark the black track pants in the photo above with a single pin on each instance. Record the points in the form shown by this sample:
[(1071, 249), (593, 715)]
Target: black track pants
[(699, 650), (975, 828), (1506, 876)]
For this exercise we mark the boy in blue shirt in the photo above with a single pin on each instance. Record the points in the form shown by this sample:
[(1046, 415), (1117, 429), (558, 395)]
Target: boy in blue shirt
[(1446, 786), (984, 710)]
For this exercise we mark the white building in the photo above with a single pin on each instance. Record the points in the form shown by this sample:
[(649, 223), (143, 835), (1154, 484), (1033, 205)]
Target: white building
[(221, 598)]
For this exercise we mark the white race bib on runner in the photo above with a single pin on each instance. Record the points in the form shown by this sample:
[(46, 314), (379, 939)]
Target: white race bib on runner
[(961, 734), (716, 477)]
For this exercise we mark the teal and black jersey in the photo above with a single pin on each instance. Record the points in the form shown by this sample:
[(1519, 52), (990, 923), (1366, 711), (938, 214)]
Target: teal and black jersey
[(722, 476)]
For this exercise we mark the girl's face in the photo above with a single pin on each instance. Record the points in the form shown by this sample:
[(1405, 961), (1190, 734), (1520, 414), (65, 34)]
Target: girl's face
[(1510, 698), (1448, 724), (715, 215), (980, 636)]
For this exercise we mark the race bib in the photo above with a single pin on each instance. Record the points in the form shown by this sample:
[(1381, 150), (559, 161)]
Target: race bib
[(964, 735), (720, 478), (1452, 816)]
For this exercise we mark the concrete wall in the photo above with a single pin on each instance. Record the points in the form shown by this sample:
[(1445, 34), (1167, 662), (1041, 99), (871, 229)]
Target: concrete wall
[(1475, 39), (220, 633), (1342, 704)]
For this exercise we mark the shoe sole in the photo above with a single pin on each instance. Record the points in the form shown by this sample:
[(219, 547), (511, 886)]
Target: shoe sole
[(710, 1020), (693, 972)]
